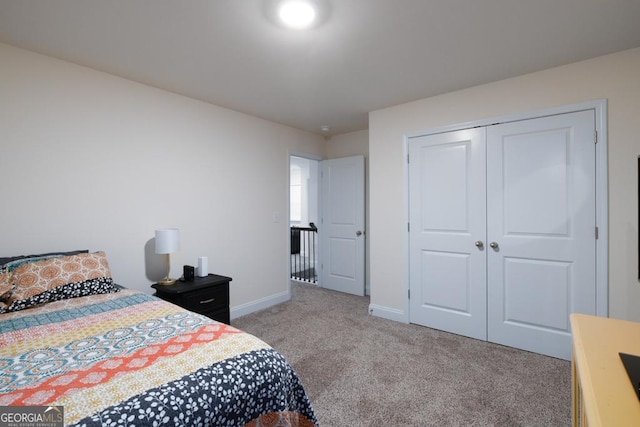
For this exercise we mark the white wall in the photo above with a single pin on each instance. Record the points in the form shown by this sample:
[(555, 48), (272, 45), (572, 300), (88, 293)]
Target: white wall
[(348, 144), (615, 77), (355, 144), (308, 177), (93, 161)]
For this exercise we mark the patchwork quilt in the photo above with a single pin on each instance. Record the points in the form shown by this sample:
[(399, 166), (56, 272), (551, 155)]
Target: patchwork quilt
[(127, 358)]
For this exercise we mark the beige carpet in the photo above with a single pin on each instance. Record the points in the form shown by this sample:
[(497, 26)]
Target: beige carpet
[(366, 371)]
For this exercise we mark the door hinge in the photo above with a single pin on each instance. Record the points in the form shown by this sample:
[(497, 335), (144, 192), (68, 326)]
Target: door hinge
[(409, 293), (595, 137), (408, 227), (407, 158), (597, 233)]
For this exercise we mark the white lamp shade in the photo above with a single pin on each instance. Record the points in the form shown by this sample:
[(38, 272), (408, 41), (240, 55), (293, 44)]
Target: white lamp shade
[(167, 240)]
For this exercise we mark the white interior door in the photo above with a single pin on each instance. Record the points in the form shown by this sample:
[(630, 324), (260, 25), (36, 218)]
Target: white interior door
[(342, 233), (447, 217), (541, 229)]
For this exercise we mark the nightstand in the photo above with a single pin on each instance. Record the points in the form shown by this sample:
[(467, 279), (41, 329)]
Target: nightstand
[(204, 295)]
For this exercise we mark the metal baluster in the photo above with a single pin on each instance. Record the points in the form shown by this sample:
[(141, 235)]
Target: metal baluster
[(298, 255), (306, 258)]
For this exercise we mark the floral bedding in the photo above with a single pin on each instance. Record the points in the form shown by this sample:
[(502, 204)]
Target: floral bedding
[(127, 358)]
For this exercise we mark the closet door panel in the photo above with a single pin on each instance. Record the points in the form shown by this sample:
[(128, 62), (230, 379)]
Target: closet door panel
[(541, 224), (447, 217)]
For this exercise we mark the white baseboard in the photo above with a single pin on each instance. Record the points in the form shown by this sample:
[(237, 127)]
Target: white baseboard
[(261, 304), (388, 313)]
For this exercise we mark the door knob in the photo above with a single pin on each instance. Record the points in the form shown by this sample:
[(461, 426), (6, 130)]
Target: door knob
[(494, 245), (479, 244), (358, 233)]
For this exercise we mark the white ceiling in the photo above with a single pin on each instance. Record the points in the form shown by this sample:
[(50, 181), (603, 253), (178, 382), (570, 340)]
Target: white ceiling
[(367, 55)]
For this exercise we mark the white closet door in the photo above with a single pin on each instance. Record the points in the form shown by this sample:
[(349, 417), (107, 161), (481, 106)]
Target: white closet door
[(541, 230), (447, 217)]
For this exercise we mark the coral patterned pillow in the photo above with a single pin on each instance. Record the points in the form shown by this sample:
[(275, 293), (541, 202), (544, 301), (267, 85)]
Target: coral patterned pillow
[(35, 278), (59, 278)]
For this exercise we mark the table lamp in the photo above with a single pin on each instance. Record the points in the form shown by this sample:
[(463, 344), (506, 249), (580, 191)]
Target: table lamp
[(167, 242)]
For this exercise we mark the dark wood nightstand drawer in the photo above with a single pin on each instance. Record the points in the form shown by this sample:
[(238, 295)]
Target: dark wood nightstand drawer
[(204, 295), (206, 300)]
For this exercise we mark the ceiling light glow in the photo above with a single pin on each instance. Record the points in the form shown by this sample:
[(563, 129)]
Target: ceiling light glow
[(297, 14)]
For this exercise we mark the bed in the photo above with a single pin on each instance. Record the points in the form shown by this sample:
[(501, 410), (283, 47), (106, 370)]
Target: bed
[(73, 340)]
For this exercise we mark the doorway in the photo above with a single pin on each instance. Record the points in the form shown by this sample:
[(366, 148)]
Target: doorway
[(304, 177), (327, 219)]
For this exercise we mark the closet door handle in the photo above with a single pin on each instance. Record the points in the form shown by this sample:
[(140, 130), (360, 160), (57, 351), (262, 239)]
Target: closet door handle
[(207, 301), (494, 245), (479, 244)]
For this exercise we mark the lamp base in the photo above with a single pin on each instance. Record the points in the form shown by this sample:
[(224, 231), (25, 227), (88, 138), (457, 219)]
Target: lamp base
[(167, 282)]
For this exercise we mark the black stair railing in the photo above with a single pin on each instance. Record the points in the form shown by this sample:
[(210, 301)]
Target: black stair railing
[(303, 253)]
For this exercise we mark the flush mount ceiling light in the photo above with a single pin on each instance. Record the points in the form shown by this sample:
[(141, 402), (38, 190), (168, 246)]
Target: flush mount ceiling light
[(297, 14)]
